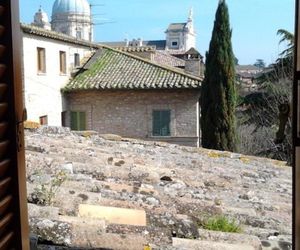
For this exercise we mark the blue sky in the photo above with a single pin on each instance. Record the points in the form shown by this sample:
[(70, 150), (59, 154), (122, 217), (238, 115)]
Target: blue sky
[(254, 22)]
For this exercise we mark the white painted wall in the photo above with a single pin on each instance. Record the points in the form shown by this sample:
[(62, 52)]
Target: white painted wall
[(42, 91)]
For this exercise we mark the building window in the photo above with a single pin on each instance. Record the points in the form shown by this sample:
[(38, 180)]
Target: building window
[(174, 44), (62, 62), (76, 60), (41, 60), (78, 34), (44, 120), (78, 121), (63, 119), (161, 122)]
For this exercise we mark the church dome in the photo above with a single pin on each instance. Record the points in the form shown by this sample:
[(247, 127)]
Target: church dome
[(71, 6)]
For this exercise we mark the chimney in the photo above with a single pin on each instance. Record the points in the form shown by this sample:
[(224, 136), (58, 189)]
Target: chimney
[(193, 62), (126, 42), (139, 42)]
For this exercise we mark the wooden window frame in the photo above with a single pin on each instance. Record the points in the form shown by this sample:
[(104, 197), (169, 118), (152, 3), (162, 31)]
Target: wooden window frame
[(14, 216), (44, 120), (62, 62), (41, 60)]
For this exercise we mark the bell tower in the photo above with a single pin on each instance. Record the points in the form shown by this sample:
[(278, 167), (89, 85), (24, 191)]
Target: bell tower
[(190, 35)]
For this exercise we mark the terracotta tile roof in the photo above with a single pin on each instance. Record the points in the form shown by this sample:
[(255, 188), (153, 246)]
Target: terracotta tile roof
[(113, 69), (158, 56), (34, 30), (157, 44), (164, 58)]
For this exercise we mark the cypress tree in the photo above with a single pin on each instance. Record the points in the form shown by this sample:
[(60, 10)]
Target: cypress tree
[(218, 89)]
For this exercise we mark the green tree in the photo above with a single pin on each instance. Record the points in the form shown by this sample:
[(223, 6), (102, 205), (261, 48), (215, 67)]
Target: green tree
[(259, 63), (218, 94)]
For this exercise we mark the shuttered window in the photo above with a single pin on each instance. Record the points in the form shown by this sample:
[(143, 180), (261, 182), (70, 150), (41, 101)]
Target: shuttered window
[(78, 121), (13, 206), (62, 62), (161, 122), (41, 60)]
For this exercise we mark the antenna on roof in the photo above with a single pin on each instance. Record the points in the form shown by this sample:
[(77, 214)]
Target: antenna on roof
[(99, 22)]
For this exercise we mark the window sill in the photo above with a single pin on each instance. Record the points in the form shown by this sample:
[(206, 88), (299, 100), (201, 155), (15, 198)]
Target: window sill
[(160, 136), (62, 74), (41, 73)]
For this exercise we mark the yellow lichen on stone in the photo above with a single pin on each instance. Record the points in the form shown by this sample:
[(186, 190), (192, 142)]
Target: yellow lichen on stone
[(31, 125), (87, 133), (245, 159), (147, 247), (280, 163), (216, 154), (213, 154)]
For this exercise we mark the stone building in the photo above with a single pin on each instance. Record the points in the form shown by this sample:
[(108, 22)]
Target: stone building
[(49, 59), (120, 93)]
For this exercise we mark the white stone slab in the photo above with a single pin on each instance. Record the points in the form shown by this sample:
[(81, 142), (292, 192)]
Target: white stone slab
[(114, 215)]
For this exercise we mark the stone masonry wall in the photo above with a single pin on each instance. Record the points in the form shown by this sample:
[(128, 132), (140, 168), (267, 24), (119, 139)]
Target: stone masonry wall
[(129, 113)]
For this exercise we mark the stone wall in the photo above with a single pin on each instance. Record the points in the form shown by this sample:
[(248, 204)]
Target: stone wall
[(129, 113)]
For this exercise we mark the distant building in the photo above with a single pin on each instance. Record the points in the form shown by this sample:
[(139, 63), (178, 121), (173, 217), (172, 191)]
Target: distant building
[(119, 93), (246, 76), (180, 37)]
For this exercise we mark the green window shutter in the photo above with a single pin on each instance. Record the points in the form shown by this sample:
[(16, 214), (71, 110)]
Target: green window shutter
[(82, 121), (73, 120), (156, 123), (161, 122), (165, 122), (78, 120)]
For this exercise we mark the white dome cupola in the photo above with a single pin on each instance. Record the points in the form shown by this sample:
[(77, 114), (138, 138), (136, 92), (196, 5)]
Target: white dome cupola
[(41, 19), (72, 17)]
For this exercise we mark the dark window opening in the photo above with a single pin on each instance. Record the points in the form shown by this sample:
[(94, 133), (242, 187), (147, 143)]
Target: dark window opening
[(44, 120), (174, 44), (63, 119)]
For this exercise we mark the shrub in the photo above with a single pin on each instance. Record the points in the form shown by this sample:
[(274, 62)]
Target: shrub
[(44, 194), (221, 223)]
